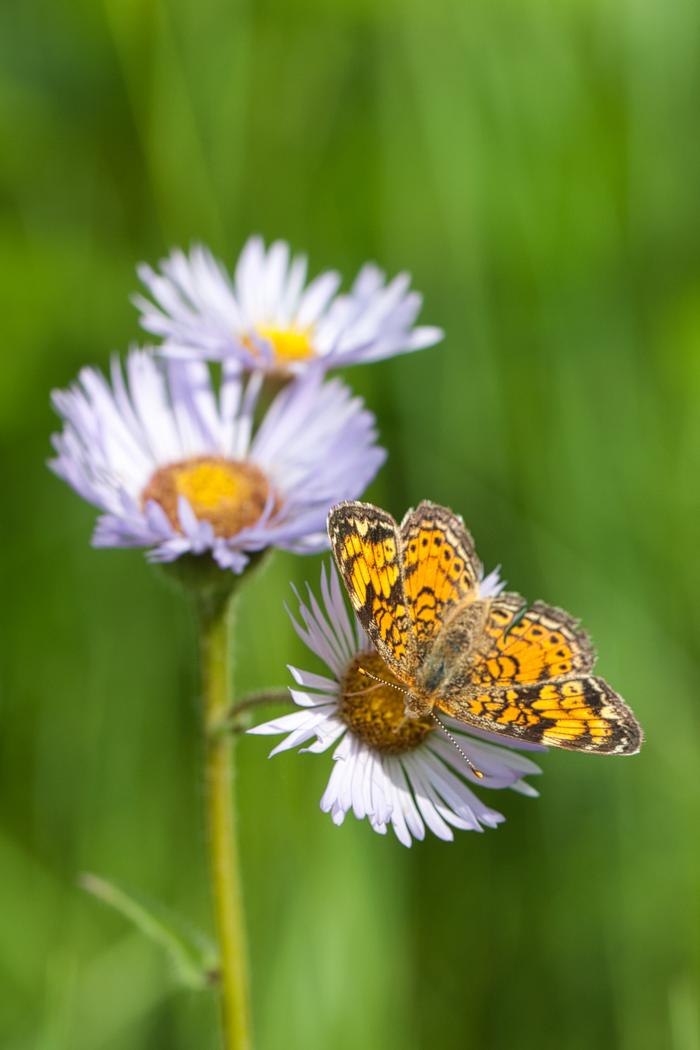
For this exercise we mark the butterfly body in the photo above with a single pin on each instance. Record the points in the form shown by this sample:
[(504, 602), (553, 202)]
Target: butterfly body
[(493, 662), (458, 638)]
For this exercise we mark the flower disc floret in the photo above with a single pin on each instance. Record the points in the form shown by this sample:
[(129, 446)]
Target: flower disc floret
[(375, 712), (230, 494), (289, 345)]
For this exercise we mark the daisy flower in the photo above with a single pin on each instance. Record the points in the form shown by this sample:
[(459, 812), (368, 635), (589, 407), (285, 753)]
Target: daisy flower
[(176, 465), (387, 768), (267, 317)]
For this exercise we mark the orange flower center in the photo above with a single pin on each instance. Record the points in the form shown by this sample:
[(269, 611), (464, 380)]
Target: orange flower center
[(228, 493), (375, 713)]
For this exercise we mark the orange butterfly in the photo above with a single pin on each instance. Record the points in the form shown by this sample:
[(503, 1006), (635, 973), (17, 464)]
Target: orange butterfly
[(496, 664)]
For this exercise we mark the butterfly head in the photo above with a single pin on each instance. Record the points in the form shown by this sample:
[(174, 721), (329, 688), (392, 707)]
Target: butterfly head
[(417, 711)]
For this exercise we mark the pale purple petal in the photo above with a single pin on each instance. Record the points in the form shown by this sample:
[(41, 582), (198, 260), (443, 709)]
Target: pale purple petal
[(198, 309), (316, 445)]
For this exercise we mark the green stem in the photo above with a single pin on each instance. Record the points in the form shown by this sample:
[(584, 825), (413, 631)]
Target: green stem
[(250, 702), (215, 654)]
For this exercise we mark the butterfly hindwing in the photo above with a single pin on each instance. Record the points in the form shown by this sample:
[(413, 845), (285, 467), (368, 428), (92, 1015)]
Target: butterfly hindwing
[(526, 675), (366, 547), (579, 713), (440, 568), (526, 644)]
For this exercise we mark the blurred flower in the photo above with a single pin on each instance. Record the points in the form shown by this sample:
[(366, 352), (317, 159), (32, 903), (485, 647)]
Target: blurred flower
[(388, 768), (266, 317), (176, 466)]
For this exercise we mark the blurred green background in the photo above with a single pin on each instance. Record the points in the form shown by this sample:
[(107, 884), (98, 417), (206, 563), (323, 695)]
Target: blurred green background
[(536, 167)]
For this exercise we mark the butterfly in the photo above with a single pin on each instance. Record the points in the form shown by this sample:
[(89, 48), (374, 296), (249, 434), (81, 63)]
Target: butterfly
[(495, 663)]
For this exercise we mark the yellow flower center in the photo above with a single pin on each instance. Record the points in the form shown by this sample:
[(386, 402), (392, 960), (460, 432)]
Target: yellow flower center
[(375, 713), (290, 345), (227, 493)]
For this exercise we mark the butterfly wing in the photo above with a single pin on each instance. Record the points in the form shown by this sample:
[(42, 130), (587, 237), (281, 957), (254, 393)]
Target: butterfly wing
[(440, 569), (528, 676), (366, 546), (528, 644), (577, 713)]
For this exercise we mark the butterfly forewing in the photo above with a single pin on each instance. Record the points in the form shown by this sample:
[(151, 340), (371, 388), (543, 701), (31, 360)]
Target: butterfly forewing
[(440, 568), (366, 547)]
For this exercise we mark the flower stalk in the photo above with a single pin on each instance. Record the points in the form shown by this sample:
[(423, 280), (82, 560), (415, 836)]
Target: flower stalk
[(215, 611), (236, 721)]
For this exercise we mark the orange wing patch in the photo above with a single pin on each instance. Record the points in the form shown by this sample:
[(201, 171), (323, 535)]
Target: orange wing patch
[(373, 565), (365, 545), (577, 713), (440, 567), (528, 645)]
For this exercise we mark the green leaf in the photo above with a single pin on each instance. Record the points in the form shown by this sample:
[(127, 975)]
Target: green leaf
[(194, 955)]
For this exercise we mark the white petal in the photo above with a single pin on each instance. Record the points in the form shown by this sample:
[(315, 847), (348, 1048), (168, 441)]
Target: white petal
[(492, 584), (405, 799), (336, 610), (327, 734), (300, 735), (313, 681), (313, 699), (285, 723), (432, 818)]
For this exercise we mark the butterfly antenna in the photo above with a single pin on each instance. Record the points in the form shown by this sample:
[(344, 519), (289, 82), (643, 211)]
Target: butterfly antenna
[(453, 739), (383, 681)]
